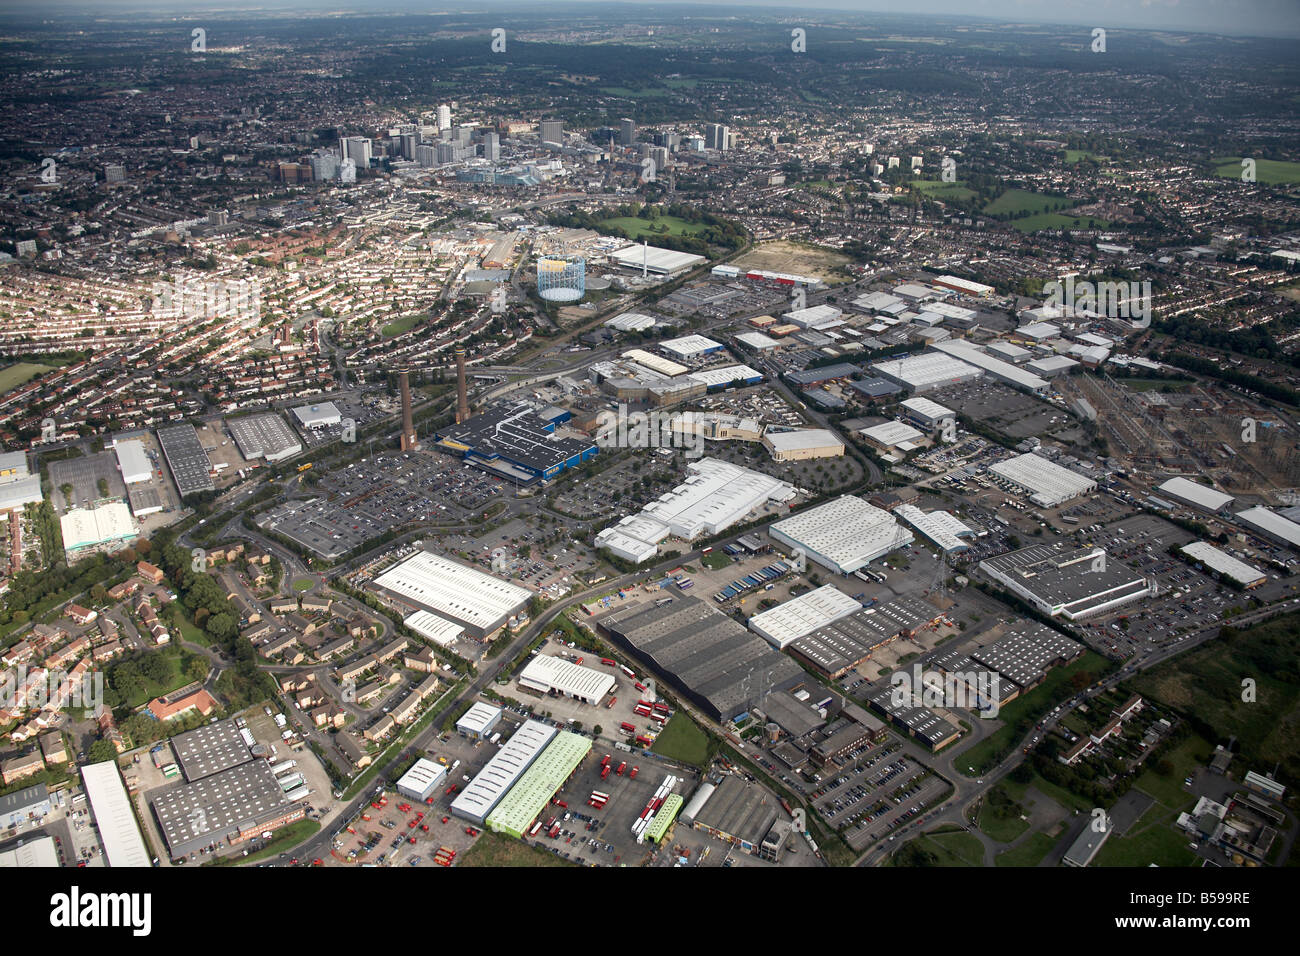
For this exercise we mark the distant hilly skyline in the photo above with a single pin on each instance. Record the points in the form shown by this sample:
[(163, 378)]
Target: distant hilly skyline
[(1262, 18)]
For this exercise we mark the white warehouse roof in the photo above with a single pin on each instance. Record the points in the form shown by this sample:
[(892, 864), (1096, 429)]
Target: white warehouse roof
[(545, 673), (801, 616), (928, 410), (118, 831), (898, 435), (1004, 371), (802, 439), (939, 526), (1048, 483), (437, 629), (656, 260), (815, 317), (1195, 493), (1271, 523), (689, 345), (507, 765), (716, 377), (478, 718), (453, 590), (925, 371), (132, 461), (843, 534), (1224, 563), (316, 416)]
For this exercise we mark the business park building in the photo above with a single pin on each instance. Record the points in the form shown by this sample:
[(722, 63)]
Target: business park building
[(479, 603), (843, 535)]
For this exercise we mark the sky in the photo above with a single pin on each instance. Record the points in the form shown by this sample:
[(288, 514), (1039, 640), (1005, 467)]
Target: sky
[(1263, 18)]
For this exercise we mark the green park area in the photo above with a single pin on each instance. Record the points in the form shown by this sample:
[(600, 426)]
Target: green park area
[(399, 326), (636, 227), (1271, 171), (937, 189), (20, 373), (945, 846)]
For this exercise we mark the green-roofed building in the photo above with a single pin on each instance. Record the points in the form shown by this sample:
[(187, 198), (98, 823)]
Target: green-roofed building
[(534, 790), (664, 818)]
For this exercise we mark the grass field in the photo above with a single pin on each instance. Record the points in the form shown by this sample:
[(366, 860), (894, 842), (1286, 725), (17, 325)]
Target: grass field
[(1074, 155), (1021, 200), (682, 740), (493, 849), (1186, 756), (1028, 853), (952, 848), (20, 373), (992, 749), (938, 189), (404, 324), (1004, 829), (1152, 839), (1207, 681), (1266, 170), (1056, 220), (302, 584), (1152, 384), (636, 227), (715, 560)]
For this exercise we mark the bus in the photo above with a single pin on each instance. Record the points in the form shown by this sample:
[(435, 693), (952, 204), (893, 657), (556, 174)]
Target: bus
[(610, 705), (706, 550), (537, 826)]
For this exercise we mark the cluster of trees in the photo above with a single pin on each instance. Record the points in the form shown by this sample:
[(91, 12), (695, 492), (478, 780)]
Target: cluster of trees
[(1243, 380), (129, 680)]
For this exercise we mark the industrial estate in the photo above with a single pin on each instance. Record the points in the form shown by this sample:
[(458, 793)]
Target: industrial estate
[(647, 440)]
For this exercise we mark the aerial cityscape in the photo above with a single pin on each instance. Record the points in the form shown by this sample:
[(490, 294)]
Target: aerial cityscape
[(677, 435)]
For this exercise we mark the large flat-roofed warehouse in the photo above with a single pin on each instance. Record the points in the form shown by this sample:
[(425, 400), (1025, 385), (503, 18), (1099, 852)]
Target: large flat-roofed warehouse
[(264, 436), (921, 722), (114, 818), (132, 461), (516, 443), (972, 354), (895, 439), (690, 346), (842, 535), (1026, 653), (422, 780), (186, 458), (848, 641), (1271, 525), (946, 531), (1197, 495), (538, 784), (478, 602), (1065, 581), (655, 260), (232, 806), (926, 413), (802, 615), (1047, 483), (482, 794), (710, 657), (803, 443), (107, 524), (931, 370), (318, 416), (545, 674), (210, 749), (735, 811), (1223, 563), (715, 495)]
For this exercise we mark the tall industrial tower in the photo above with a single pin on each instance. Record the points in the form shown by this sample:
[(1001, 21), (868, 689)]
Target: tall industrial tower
[(408, 422), (462, 393)]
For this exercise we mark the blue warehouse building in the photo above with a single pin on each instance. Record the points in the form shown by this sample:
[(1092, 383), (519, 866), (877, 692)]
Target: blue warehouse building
[(517, 443)]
